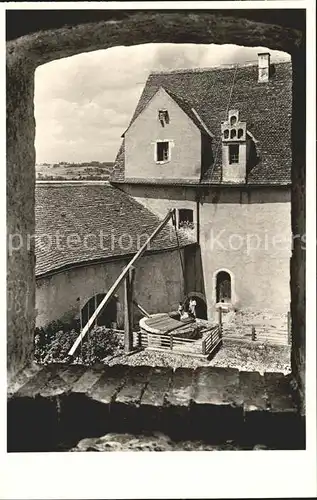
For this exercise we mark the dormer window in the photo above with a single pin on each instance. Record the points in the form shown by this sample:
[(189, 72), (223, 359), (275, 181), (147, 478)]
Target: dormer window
[(233, 153), (163, 117), (234, 144)]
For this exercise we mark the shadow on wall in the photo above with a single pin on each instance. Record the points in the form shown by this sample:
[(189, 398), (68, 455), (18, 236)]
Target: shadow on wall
[(108, 316), (194, 279)]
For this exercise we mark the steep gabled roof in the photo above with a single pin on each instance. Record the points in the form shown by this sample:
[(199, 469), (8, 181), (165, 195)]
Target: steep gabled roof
[(266, 107), (85, 210)]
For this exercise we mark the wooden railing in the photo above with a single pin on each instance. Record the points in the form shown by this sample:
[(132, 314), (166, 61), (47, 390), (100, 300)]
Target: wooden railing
[(278, 336), (212, 339)]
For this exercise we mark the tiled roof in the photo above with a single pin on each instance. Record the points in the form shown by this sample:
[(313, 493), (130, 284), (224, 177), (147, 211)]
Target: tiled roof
[(266, 108), (63, 210)]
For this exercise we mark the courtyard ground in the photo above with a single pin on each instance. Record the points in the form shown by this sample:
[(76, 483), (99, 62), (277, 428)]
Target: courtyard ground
[(239, 324), (238, 350), (248, 357), (152, 442), (261, 357)]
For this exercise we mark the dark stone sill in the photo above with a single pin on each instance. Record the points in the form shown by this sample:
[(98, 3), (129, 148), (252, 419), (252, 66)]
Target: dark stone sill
[(58, 404)]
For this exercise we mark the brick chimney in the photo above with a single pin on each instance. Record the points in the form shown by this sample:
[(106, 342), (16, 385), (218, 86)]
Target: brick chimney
[(263, 67)]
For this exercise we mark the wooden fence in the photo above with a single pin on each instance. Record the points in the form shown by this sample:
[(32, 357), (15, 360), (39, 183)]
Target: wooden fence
[(270, 335), (265, 334), (278, 336)]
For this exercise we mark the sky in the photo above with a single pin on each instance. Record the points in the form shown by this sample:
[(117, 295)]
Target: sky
[(84, 103)]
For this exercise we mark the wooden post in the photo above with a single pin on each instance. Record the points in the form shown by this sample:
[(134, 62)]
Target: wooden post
[(139, 334), (289, 328), (220, 321), (128, 311), (88, 335), (95, 309), (253, 334), (80, 316), (143, 311), (171, 342), (203, 345)]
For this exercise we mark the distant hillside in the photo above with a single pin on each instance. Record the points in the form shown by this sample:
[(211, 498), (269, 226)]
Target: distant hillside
[(88, 171)]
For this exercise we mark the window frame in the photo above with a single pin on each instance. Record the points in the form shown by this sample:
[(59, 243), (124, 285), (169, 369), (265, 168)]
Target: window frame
[(165, 116), (178, 217), (169, 143), (235, 145)]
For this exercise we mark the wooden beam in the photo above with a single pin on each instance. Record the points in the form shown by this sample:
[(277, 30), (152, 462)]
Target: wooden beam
[(143, 311), (118, 282), (128, 310)]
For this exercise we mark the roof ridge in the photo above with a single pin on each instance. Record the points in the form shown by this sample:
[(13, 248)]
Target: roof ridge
[(232, 65)]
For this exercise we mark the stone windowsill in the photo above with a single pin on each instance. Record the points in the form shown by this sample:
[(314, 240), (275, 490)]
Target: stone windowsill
[(69, 403)]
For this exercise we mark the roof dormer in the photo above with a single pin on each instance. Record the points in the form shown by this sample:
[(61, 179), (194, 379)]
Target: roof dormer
[(234, 148)]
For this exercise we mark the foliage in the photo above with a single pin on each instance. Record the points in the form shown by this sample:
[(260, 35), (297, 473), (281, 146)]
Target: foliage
[(53, 343), (186, 225)]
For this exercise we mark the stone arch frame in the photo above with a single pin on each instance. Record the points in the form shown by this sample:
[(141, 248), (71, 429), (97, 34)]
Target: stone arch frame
[(234, 298), (201, 297), (197, 294), (95, 300), (136, 27)]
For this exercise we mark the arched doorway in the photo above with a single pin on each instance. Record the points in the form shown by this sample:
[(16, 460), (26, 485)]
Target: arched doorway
[(108, 315), (201, 308), (201, 305), (223, 287)]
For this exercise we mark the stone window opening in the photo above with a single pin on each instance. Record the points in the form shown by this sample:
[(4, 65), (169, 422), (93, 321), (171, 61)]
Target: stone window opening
[(163, 117), (185, 219), (233, 133), (233, 153), (233, 120), (163, 151)]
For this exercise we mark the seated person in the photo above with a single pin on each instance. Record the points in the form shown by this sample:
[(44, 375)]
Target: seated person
[(192, 308)]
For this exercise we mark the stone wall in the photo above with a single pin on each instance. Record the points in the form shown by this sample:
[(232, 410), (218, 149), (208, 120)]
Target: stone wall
[(247, 232), (159, 287), (160, 199), (20, 211)]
